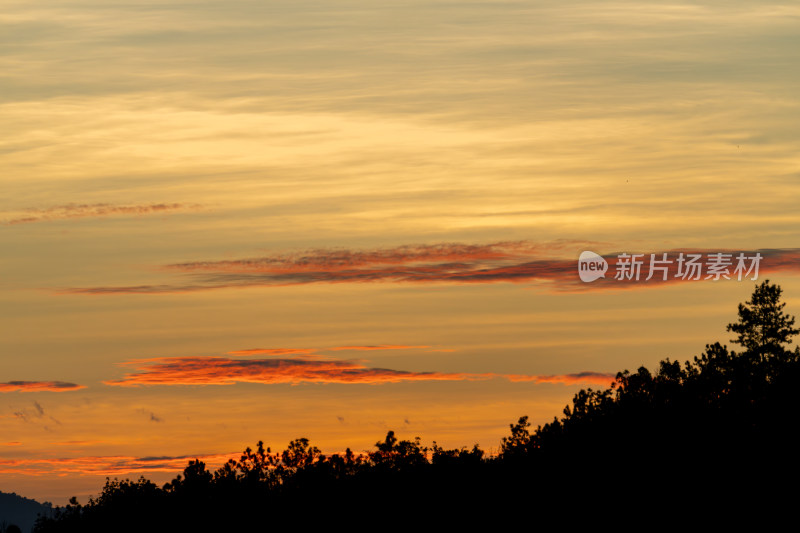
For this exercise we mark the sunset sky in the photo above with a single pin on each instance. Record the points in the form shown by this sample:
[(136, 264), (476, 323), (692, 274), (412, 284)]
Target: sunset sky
[(225, 222)]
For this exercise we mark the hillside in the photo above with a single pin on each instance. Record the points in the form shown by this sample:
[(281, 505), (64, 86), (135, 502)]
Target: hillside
[(20, 511)]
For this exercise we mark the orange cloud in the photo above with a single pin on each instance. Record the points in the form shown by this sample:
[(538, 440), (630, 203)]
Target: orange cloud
[(106, 465), (589, 378), (36, 386), (226, 371), (308, 369), (518, 262), (69, 211)]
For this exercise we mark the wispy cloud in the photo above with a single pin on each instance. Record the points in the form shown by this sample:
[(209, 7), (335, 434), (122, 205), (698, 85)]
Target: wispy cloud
[(514, 262), (333, 260), (588, 378), (36, 415), (37, 386), (105, 465), (307, 369), (70, 211), (227, 371)]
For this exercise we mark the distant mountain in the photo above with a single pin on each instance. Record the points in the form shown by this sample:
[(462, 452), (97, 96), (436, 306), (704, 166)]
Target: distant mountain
[(20, 511)]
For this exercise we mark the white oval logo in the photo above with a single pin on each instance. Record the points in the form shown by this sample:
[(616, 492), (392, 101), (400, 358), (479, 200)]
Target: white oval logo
[(591, 266)]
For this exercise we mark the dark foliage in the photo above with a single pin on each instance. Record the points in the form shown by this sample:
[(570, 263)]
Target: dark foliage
[(719, 430), (18, 513)]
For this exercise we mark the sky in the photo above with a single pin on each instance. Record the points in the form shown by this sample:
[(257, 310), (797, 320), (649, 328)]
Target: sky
[(225, 222)]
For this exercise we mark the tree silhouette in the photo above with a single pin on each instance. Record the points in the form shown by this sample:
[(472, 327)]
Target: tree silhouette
[(299, 454), (399, 455), (763, 328), (517, 444)]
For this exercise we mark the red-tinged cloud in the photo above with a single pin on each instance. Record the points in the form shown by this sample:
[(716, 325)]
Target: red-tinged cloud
[(519, 262), (308, 369), (226, 371), (447, 262), (38, 386), (344, 260), (11, 443), (580, 378), (106, 465), (70, 211)]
